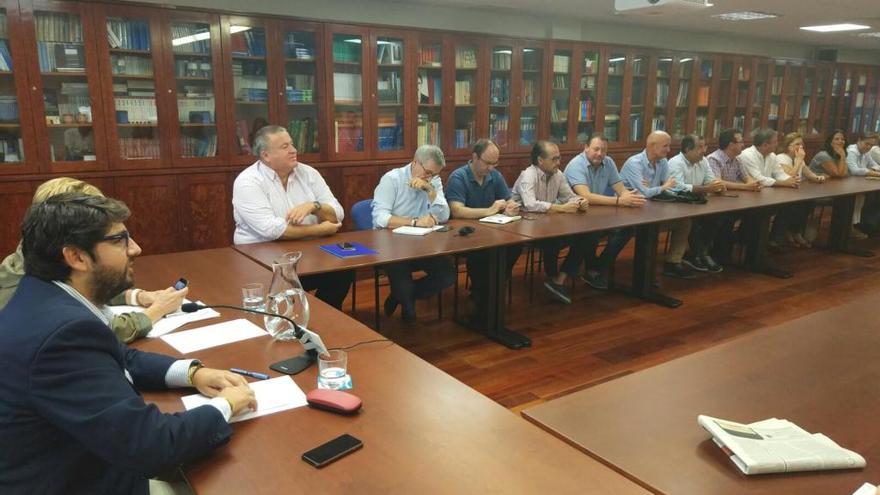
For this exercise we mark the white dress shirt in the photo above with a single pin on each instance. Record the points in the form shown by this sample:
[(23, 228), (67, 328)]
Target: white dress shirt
[(260, 202), (687, 174), (764, 169)]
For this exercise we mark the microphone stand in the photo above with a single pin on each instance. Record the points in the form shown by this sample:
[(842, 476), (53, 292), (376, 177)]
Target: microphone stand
[(310, 341)]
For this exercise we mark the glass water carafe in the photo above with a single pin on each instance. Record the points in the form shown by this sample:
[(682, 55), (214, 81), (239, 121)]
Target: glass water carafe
[(286, 297)]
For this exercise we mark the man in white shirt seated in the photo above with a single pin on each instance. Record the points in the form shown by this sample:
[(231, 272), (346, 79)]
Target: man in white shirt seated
[(278, 198), (759, 161)]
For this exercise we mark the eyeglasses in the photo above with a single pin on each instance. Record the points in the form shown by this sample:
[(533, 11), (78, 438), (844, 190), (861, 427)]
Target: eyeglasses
[(428, 173), (490, 164), (118, 237)]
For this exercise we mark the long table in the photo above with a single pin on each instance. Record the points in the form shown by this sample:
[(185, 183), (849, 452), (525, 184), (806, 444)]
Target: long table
[(820, 371), (423, 431)]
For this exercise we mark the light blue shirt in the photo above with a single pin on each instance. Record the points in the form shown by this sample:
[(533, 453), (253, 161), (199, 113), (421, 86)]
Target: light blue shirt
[(394, 197), (687, 174), (637, 168), (601, 178)]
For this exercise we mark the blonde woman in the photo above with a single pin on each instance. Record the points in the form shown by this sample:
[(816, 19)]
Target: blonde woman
[(791, 156), (127, 326)]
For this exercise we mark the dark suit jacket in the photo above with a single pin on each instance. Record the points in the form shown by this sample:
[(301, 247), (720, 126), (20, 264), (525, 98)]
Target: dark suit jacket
[(70, 420)]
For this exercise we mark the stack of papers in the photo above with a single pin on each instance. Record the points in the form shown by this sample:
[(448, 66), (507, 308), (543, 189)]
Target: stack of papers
[(500, 218), (273, 395), (407, 230), (213, 335), (172, 321)]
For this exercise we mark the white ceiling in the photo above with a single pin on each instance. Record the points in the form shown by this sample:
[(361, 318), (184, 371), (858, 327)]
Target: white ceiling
[(794, 13)]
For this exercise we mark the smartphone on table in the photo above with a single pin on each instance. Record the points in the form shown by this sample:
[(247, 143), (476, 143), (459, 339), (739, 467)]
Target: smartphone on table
[(339, 447)]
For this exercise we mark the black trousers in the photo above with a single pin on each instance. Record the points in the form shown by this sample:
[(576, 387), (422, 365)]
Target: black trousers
[(478, 271), (330, 287), (703, 232), (577, 248), (440, 275)]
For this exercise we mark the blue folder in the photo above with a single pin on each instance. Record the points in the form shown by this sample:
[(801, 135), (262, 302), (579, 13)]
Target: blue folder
[(359, 250)]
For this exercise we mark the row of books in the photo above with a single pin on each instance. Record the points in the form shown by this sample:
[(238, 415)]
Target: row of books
[(635, 126), (191, 38), (5, 57), (301, 81), (390, 135), (130, 65), (587, 110), (299, 45), (658, 123), (304, 134), (498, 127), (347, 87), (463, 92), (343, 51), (61, 57), (58, 27), (300, 95), (132, 148), (559, 110), (560, 81), (464, 136), (250, 88), (588, 82), (561, 64), (12, 149), (776, 86), (8, 108), (465, 57), (348, 134), (389, 52), (427, 131), (136, 111), (531, 92), (528, 130), (388, 87), (499, 91), (128, 35), (430, 55), (184, 67), (531, 60), (501, 59), (202, 146), (430, 88), (195, 110), (249, 43)]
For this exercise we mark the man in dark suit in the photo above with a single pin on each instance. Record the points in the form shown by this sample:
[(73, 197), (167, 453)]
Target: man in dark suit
[(71, 418)]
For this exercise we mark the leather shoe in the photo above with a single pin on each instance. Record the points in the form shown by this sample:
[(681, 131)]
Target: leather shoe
[(390, 305)]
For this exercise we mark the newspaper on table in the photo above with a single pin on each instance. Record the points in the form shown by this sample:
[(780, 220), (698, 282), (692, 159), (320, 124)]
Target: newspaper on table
[(778, 446)]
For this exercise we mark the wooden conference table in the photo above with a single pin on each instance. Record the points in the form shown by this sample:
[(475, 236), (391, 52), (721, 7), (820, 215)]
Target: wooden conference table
[(820, 372), (423, 431)]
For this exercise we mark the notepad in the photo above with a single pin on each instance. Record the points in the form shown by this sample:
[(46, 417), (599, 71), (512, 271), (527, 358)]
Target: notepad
[(171, 321), (213, 335), (500, 219), (407, 230), (273, 395)]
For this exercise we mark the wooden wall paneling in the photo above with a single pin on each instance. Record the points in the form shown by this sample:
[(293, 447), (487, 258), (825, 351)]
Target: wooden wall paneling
[(17, 42), (357, 183), (155, 212), (16, 198), (205, 210), (179, 126), (40, 80)]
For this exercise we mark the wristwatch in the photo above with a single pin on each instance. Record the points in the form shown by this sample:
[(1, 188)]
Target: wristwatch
[(194, 366), (317, 205), (413, 222)]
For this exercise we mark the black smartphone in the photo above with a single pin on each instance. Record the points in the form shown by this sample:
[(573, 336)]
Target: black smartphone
[(334, 449), (346, 246), (180, 284)]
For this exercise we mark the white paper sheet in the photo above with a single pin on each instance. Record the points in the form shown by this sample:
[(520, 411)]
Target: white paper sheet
[(866, 489), (273, 395), (408, 230), (213, 335), (171, 321)]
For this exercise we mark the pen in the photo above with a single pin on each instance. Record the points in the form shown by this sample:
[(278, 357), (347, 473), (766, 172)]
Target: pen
[(252, 374)]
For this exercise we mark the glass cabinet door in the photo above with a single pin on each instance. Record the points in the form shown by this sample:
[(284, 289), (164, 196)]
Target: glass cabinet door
[(301, 95), (194, 50), (775, 95), (466, 72), (499, 94), (723, 112), (71, 118), (846, 101), (817, 113), (638, 97), (859, 104), (530, 97), (682, 97), (587, 95), (390, 93), (741, 98), (12, 75), (250, 84), (806, 99), (834, 104), (430, 92), (614, 96), (756, 113), (135, 138), (793, 80), (661, 93), (870, 104), (875, 126), (348, 102), (560, 96), (704, 93)]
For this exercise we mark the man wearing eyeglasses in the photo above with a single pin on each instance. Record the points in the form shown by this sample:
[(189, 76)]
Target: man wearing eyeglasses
[(413, 195), (476, 190), (74, 420)]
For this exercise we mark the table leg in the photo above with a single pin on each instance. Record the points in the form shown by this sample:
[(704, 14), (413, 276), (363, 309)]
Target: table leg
[(644, 268), (497, 303), (756, 246), (841, 225)]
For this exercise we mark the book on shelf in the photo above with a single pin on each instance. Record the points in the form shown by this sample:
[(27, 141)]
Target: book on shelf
[(560, 81), (587, 110), (299, 45), (463, 92), (658, 124), (69, 57), (499, 90), (528, 130), (136, 111), (430, 88), (501, 59), (390, 134), (700, 125), (389, 52), (128, 35), (427, 131), (5, 57), (346, 87), (303, 133), (465, 57), (777, 446), (559, 110), (662, 95), (191, 38), (192, 146), (348, 134), (8, 108), (344, 51), (498, 126), (561, 64), (58, 27), (681, 99), (429, 55), (132, 148), (130, 65), (635, 126), (530, 92), (464, 137), (703, 96), (389, 87), (250, 43), (242, 132)]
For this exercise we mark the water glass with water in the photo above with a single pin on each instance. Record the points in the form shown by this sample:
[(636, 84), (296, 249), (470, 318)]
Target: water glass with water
[(332, 369), (253, 297)]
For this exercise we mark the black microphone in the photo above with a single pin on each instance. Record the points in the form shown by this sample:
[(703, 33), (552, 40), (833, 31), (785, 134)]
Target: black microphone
[(310, 341), (192, 307)]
